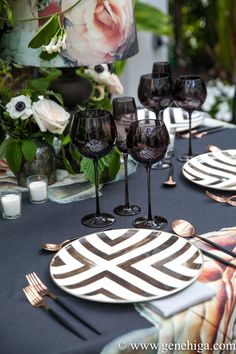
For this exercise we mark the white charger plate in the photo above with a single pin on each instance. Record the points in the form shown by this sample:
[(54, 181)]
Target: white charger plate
[(213, 170), (126, 265)]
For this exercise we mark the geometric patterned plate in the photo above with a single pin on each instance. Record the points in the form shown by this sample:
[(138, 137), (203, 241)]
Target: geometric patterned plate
[(213, 170), (126, 265)]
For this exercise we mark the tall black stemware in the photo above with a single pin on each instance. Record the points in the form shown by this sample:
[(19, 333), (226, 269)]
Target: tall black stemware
[(124, 113), (155, 92), (189, 93), (93, 134), (161, 67), (147, 142)]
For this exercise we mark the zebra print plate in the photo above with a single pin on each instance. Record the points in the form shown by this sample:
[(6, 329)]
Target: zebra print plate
[(126, 265), (213, 170)]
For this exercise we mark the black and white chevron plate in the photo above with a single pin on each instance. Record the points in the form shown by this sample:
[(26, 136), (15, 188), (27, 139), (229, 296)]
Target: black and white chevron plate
[(126, 265), (213, 170)]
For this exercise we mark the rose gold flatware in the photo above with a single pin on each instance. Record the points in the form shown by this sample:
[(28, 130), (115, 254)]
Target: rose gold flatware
[(212, 148), (170, 181), (54, 247), (43, 290), (217, 198), (199, 133), (222, 199), (37, 301), (183, 228)]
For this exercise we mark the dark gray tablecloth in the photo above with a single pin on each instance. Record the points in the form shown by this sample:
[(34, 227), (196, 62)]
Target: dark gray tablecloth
[(31, 331)]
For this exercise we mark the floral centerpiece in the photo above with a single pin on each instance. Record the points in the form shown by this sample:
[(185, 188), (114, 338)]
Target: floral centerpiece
[(32, 111)]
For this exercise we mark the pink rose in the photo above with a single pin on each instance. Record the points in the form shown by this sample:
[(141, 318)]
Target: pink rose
[(98, 30)]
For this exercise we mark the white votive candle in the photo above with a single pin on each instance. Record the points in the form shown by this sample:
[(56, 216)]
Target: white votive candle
[(11, 205), (38, 191)]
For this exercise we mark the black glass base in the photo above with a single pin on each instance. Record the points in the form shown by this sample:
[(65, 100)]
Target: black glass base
[(185, 157), (161, 165), (157, 223), (102, 220), (123, 210)]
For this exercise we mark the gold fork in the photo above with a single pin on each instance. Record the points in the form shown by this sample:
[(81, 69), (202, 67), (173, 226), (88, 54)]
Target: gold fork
[(37, 301), (43, 290)]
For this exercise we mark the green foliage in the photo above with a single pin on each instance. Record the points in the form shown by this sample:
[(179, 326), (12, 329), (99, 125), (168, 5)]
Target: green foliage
[(108, 167), (225, 47), (46, 32), (149, 18), (13, 155), (6, 11), (28, 148)]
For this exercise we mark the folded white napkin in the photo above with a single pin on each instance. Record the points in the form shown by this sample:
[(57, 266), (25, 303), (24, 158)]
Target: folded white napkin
[(182, 300)]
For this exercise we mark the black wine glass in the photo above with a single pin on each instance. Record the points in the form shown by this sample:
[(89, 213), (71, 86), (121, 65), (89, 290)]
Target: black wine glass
[(155, 92), (147, 142), (160, 67), (124, 113), (189, 93), (93, 134)]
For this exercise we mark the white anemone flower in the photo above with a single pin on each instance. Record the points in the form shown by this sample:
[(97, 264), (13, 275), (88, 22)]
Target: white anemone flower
[(19, 107)]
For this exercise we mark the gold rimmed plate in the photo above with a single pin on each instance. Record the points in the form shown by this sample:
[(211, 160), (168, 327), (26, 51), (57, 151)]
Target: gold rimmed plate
[(126, 265), (213, 170)]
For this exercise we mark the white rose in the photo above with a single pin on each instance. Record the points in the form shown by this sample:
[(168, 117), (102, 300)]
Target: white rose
[(19, 107), (50, 116)]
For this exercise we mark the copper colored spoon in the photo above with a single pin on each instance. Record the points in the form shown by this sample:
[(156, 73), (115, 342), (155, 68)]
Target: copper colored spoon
[(183, 228), (212, 148), (54, 247)]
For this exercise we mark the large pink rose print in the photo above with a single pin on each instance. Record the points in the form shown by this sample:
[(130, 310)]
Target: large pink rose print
[(99, 31)]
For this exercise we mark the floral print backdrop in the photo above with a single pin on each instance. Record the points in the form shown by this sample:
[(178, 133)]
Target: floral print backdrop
[(98, 31)]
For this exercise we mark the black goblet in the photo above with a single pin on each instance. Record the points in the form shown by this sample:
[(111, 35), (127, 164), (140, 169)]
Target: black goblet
[(124, 113), (93, 134), (147, 142), (155, 92), (159, 67), (190, 94)]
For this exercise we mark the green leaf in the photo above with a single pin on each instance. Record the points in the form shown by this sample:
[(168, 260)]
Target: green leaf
[(28, 148), (46, 56), (149, 18), (48, 137), (112, 165), (45, 33), (66, 162), (14, 157), (57, 96), (3, 147), (74, 153), (87, 167), (66, 139), (108, 167)]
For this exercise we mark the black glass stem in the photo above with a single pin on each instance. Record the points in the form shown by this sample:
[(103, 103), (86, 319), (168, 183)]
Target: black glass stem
[(93, 134), (147, 141), (161, 67), (124, 113), (189, 93)]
